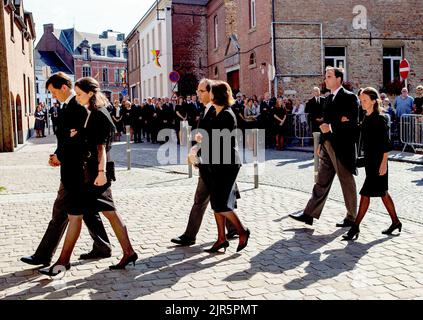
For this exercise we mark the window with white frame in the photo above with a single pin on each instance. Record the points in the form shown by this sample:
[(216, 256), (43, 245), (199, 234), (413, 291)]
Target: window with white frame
[(159, 34), (336, 57), (85, 54), (105, 75), (391, 64), (253, 18), (117, 76), (86, 71), (216, 32), (253, 59)]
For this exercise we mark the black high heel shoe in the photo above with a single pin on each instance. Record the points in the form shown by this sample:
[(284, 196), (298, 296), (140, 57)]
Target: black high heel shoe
[(352, 234), (242, 246), (55, 270), (392, 228), (122, 265), (216, 248)]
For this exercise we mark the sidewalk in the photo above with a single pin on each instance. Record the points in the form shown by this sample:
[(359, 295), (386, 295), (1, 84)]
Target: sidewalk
[(284, 260)]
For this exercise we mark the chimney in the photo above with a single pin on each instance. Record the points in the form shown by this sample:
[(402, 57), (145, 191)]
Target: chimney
[(49, 28)]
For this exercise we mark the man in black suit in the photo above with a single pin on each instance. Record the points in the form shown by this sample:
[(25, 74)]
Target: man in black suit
[(71, 116), (337, 150), (314, 108), (202, 195)]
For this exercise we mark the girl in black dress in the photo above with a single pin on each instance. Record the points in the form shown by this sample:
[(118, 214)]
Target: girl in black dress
[(117, 116), (221, 174), (376, 147), (94, 193)]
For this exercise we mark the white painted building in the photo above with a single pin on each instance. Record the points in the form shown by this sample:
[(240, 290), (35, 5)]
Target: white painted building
[(154, 32)]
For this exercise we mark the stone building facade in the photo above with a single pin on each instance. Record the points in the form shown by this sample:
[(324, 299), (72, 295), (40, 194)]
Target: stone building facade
[(17, 97)]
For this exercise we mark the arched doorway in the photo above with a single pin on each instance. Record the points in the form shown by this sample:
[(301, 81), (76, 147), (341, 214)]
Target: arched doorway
[(12, 112), (19, 127)]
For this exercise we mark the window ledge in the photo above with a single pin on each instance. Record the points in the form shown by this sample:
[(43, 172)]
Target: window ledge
[(215, 49), (12, 38), (254, 29), (252, 66)]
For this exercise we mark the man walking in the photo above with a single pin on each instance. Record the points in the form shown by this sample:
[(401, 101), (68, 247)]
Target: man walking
[(202, 195), (337, 150), (71, 115)]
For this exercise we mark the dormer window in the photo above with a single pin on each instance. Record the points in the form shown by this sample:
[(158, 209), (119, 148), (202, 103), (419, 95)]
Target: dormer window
[(85, 54)]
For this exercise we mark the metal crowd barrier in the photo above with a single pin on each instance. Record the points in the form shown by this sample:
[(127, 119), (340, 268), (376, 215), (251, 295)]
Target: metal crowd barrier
[(411, 131), (299, 127)]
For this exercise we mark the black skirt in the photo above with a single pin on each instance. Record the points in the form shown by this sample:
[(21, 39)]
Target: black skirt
[(221, 182), (375, 186)]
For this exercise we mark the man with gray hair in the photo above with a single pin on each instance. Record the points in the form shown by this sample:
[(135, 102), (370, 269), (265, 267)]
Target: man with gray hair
[(202, 195)]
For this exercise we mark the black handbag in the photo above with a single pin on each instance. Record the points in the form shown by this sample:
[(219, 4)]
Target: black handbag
[(110, 171), (360, 154)]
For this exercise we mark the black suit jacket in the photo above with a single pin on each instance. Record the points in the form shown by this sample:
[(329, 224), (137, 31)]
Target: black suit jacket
[(315, 111), (344, 135), (70, 149)]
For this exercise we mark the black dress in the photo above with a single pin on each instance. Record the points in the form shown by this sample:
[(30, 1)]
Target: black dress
[(277, 128), (220, 178), (375, 139), (97, 132)]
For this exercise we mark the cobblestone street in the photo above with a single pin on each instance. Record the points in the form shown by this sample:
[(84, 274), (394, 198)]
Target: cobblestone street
[(284, 260)]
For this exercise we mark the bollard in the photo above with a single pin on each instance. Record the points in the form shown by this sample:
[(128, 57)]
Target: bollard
[(316, 136), (189, 146), (255, 158), (128, 146)]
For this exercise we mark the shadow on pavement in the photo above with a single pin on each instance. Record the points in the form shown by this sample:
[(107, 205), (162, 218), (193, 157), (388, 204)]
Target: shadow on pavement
[(305, 247)]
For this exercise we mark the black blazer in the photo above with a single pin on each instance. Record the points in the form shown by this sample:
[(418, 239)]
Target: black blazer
[(315, 111), (70, 149), (344, 135)]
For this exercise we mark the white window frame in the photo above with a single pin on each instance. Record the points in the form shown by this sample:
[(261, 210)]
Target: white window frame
[(339, 61), (394, 58), (107, 73), (253, 14), (216, 32), (86, 67)]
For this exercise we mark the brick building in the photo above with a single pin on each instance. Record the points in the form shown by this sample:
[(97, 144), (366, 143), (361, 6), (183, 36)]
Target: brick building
[(84, 54), (178, 29), (17, 98), (368, 38), (249, 41), (239, 43)]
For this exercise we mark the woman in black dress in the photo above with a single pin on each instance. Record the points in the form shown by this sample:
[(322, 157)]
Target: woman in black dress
[(376, 147), (181, 117), (221, 174), (39, 121), (93, 190), (117, 116), (279, 119)]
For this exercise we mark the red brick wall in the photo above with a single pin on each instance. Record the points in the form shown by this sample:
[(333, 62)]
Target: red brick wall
[(364, 48), (234, 18), (97, 73), (189, 31)]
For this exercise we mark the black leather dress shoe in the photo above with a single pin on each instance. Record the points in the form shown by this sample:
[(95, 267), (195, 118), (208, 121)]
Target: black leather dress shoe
[(232, 235), (95, 255), (302, 217), (183, 241), (34, 261), (345, 224)]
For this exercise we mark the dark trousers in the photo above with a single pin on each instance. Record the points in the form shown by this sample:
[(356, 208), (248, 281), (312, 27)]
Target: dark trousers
[(57, 227), (329, 167), (137, 133), (201, 201)]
